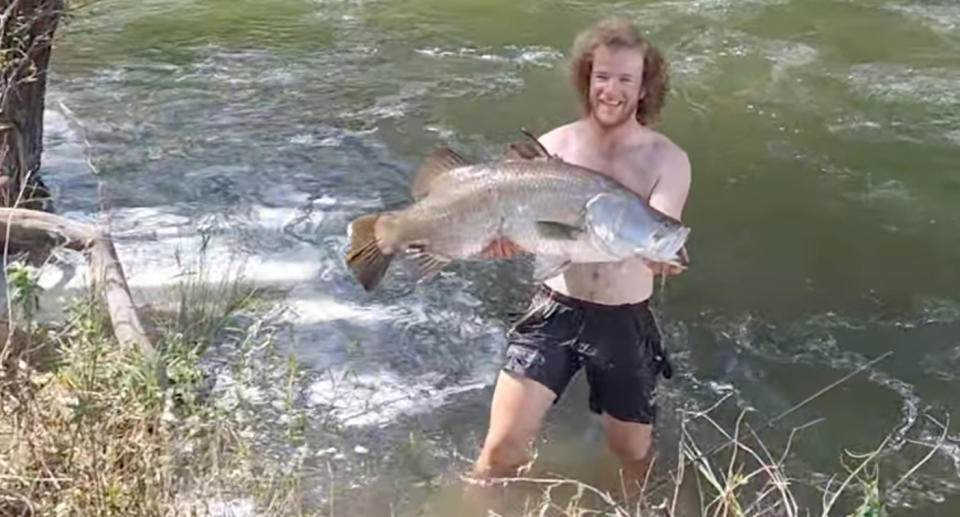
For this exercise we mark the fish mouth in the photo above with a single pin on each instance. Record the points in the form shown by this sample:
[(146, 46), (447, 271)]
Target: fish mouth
[(669, 248)]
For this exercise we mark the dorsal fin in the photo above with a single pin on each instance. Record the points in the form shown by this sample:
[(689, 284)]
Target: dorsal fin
[(522, 150), (528, 148), (440, 160)]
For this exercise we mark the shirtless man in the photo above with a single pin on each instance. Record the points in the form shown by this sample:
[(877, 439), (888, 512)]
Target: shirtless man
[(596, 315)]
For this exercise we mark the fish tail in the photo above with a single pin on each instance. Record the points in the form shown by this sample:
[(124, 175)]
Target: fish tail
[(364, 257)]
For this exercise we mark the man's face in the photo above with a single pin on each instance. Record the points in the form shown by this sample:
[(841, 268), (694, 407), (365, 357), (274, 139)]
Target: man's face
[(615, 85)]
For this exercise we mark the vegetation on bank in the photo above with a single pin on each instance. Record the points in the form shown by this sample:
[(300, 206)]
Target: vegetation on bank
[(85, 428), (737, 477)]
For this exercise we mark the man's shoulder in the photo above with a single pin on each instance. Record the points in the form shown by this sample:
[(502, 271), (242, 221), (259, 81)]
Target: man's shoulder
[(560, 136), (663, 147), (663, 154)]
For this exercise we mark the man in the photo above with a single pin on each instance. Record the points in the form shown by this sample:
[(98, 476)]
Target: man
[(596, 315)]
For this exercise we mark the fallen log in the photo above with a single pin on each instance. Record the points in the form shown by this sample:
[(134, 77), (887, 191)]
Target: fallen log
[(25, 228)]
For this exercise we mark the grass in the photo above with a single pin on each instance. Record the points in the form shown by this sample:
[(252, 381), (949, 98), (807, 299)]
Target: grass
[(86, 431), (739, 478)]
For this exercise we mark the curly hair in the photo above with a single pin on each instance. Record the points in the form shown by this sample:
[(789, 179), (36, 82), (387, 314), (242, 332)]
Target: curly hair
[(617, 33)]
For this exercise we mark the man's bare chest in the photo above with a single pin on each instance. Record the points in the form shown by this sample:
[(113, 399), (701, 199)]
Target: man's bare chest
[(636, 171)]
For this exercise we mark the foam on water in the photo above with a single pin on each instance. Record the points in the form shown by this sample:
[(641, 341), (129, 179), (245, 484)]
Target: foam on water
[(705, 54), (537, 56), (945, 18), (864, 128), (390, 106), (378, 398), (382, 360), (327, 318), (714, 9), (787, 55), (416, 349), (944, 365), (902, 84), (890, 190), (924, 103), (930, 311), (953, 136), (813, 343), (151, 242)]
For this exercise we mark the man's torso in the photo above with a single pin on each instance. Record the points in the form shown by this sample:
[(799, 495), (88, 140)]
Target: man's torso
[(635, 161)]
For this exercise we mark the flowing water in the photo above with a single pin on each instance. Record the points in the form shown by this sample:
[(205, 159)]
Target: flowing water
[(824, 138)]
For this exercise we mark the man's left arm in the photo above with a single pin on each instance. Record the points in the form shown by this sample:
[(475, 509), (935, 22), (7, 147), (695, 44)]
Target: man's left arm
[(669, 196)]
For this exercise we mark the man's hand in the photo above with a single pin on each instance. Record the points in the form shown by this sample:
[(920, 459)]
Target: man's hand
[(669, 268)]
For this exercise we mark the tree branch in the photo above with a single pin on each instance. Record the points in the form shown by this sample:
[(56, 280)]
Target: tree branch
[(32, 227)]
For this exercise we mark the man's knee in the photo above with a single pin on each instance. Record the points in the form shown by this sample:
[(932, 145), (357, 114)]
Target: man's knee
[(629, 441), (630, 450)]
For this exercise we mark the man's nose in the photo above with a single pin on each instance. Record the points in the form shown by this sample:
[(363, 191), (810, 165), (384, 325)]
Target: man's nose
[(613, 88)]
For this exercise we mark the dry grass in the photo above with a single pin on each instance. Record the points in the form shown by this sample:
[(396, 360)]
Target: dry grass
[(91, 432), (739, 478)]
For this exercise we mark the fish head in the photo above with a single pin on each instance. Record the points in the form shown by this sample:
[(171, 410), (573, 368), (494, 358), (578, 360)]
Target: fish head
[(665, 243), (625, 227)]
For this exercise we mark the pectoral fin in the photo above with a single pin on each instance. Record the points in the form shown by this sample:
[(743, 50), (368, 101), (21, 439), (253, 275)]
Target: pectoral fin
[(546, 267), (501, 247), (558, 231)]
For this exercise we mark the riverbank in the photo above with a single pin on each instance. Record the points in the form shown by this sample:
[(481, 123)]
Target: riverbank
[(87, 430)]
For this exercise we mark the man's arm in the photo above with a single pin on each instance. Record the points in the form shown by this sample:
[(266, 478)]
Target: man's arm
[(669, 196)]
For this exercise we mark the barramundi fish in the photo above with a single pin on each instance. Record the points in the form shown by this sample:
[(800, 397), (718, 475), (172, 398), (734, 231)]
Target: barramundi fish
[(524, 202)]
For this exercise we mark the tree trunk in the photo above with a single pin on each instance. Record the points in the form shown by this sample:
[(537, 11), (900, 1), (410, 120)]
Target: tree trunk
[(27, 28)]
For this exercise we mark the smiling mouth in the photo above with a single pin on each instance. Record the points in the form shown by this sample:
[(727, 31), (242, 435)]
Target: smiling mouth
[(610, 104)]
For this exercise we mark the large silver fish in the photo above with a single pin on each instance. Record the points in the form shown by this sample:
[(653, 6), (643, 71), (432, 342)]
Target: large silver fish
[(527, 202)]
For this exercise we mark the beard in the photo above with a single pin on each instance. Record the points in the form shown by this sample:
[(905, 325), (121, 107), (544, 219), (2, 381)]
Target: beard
[(610, 119)]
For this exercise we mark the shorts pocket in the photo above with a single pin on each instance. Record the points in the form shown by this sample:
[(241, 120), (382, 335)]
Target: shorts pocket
[(651, 345), (521, 358)]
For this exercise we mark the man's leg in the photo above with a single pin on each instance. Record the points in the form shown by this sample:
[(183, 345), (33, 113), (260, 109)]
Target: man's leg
[(516, 413), (623, 376), (537, 367), (630, 441)]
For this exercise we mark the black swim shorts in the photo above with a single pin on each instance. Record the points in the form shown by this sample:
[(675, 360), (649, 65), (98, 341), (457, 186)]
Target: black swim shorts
[(619, 346)]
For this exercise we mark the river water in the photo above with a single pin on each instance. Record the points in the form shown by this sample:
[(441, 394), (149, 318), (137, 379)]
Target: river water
[(824, 138)]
